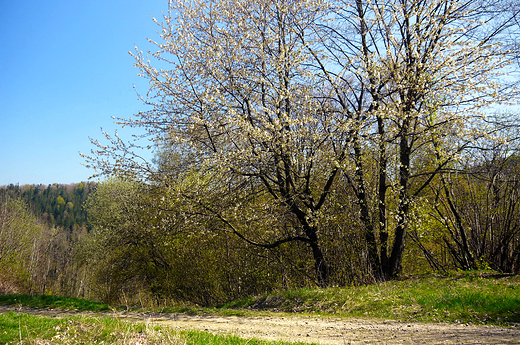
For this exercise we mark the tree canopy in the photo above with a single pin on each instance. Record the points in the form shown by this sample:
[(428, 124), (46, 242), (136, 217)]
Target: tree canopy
[(277, 105)]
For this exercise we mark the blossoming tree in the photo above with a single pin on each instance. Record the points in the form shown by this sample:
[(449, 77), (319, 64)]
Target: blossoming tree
[(278, 101)]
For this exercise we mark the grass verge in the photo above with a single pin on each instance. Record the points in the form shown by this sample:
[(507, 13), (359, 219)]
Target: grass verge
[(24, 329), (465, 298), (52, 302)]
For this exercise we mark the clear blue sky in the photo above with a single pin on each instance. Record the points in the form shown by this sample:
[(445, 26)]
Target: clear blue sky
[(65, 71)]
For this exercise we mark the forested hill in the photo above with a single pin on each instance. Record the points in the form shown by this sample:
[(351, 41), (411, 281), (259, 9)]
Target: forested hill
[(57, 204)]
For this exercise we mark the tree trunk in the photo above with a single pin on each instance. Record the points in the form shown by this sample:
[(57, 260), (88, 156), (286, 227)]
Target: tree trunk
[(395, 262), (320, 265), (382, 187), (374, 260)]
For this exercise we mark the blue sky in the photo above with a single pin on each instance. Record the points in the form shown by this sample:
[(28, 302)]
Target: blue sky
[(65, 71)]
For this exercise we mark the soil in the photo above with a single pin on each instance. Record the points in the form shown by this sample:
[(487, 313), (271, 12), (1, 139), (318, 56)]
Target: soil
[(319, 330)]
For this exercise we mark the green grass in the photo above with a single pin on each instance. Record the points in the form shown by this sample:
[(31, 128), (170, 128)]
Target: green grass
[(474, 297), (467, 298), (27, 329), (52, 302), (14, 327)]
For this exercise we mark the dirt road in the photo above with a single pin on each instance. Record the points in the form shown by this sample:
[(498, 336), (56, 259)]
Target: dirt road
[(319, 330), (346, 331)]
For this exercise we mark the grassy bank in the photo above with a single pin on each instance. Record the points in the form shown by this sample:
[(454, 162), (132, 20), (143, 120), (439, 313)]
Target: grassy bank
[(479, 298)]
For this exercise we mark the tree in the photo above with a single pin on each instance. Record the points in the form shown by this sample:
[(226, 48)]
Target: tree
[(238, 93), (33, 257), (475, 210), (280, 102), (18, 230), (124, 250), (415, 77)]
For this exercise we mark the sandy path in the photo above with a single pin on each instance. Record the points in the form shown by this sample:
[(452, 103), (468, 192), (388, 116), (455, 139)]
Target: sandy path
[(320, 330), (346, 331)]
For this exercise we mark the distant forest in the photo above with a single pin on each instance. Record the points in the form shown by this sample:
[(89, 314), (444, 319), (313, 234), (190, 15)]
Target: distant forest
[(59, 205)]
